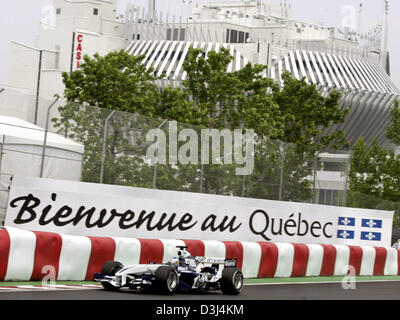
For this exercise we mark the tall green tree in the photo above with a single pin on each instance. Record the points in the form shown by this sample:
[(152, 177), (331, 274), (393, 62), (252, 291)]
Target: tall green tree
[(296, 114), (240, 99), (233, 100), (307, 113), (393, 132), (375, 172), (120, 83), (210, 97), (117, 81)]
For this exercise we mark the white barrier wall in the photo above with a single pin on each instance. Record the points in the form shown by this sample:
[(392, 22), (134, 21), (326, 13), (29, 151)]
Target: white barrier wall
[(77, 208)]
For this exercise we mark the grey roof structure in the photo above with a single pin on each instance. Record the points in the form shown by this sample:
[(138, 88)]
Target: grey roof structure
[(260, 33)]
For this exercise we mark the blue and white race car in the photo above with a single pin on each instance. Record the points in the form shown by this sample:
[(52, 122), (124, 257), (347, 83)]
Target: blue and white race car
[(183, 273)]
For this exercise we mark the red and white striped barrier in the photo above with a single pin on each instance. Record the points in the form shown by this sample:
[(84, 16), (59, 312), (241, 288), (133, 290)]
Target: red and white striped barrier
[(24, 254)]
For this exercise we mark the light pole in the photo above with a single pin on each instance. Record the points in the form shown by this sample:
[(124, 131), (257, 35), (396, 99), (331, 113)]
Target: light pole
[(45, 135), (103, 154), (315, 178), (2, 150), (281, 149), (202, 177), (156, 162), (346, 184), (244, 176), (38, 85)]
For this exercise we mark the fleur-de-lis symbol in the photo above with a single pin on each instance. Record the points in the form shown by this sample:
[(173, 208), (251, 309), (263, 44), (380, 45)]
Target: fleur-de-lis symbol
[(371, 223), (370, 236), (345, 234), (346, 221)]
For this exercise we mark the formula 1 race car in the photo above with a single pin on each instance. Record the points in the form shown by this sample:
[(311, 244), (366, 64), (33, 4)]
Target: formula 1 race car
[(183, 273)]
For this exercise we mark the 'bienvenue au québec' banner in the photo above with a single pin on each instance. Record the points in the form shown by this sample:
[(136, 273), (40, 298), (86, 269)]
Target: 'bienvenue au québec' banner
[(75, 208)]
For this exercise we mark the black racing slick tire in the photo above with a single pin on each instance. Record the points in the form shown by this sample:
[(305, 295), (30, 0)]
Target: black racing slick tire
[(167, 279), (110, 268), (232, 281)]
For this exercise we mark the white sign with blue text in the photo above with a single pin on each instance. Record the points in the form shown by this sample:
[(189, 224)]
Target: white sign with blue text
[(75, 208)]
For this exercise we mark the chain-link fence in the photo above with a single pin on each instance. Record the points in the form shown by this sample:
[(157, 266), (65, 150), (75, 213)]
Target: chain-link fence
[(122, 149), (112, 147)]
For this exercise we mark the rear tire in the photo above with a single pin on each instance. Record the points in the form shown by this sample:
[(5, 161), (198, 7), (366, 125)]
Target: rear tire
[(167, 279), (232, 281), (110, 268)]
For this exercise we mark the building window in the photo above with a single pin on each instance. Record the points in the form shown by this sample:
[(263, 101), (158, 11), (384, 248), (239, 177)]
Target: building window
[(241, 37), (95, 11), (182, 35), (58, 11), (176, 34), (329, 197), (236, 36), (334, 166)]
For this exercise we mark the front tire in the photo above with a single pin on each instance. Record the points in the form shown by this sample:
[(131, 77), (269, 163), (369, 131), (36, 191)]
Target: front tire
[(167, 279), (232, 281), (110, 268)]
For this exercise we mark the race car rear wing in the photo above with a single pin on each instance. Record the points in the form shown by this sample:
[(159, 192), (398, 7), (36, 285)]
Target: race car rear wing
[(228, 263)]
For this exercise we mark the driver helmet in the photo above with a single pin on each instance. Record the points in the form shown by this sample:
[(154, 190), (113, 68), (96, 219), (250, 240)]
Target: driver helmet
[(185, 254), (174, 260)]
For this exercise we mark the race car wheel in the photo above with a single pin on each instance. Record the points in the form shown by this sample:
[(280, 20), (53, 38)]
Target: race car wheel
[(232, 281), (167, 279), (110, 268)]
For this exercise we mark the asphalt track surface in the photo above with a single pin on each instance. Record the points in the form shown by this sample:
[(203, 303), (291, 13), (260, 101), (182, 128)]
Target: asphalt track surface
[(383, 290)]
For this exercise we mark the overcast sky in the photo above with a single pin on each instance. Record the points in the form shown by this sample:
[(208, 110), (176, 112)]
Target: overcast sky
[(19, 20)]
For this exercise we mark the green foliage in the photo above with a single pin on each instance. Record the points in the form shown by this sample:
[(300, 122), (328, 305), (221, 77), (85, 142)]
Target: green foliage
[(375, 171), (296, 114), (374, 177), (280, 173), (307, 113), (117, 81), (174, 105), (210, 97), (393, 132), (231, 100)]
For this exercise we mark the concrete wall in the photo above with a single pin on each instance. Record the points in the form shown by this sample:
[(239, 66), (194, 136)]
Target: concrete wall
[(24, 66)]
